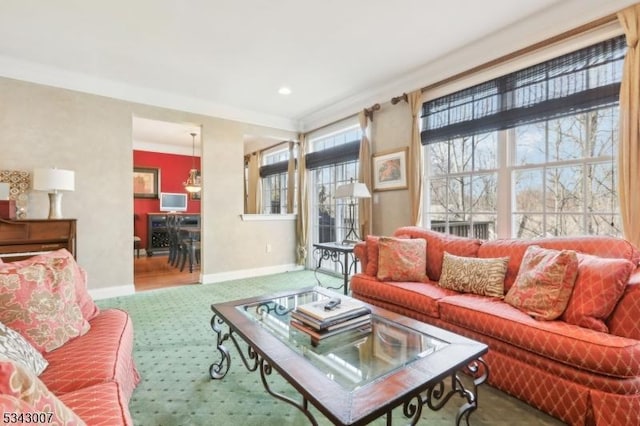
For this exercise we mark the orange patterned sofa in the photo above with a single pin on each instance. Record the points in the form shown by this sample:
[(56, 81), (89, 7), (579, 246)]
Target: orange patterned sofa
[(577, 374), (85, 374)]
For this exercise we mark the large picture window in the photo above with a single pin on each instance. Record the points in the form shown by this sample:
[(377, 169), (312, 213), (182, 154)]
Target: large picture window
[(528, 154), (333, 161)]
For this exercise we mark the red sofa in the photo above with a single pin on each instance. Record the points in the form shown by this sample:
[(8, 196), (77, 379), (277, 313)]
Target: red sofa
[(92, 373), (576, 374)]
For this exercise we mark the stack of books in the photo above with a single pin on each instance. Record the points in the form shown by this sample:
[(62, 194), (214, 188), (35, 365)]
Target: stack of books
[(319, 322)]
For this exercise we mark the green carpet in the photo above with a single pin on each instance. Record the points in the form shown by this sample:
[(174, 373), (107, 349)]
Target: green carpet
[(174, 347)]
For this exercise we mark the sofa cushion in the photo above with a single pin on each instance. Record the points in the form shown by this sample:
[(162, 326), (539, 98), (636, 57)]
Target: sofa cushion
[(99, 405), (474, 275), (38, 299), (18, 383), (402, 259), (103, 354), (419, 297), (599, 286), (557, 340), (437, 244), (14, 347), (372, 255), (544, 283)]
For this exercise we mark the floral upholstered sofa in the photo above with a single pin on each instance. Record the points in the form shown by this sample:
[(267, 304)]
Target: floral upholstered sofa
[(61, 358), (561, 316)]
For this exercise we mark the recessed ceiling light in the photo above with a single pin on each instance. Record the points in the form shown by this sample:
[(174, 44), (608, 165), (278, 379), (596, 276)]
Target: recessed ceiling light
[(284, 90)]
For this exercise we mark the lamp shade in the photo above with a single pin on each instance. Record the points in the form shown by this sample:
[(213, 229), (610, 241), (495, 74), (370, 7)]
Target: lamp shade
[(352, 190), (53, 180)]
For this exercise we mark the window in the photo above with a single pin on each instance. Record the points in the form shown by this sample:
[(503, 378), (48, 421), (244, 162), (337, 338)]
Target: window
[(333, 161), (531, 153), (274, 180)]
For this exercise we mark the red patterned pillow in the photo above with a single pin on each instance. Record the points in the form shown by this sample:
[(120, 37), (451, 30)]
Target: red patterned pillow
[(38, 300), (600, 284), (544, 283), (402, 259), (23, 395), (88, 307), (372, 255)]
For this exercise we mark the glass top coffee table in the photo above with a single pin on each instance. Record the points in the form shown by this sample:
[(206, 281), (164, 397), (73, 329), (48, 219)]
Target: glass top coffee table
[(354, 376)]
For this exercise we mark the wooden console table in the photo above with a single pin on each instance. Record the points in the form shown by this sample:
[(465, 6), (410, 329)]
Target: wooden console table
[(20, 239)]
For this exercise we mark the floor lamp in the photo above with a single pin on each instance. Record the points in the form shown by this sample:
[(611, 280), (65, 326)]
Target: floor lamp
[(353, 191)]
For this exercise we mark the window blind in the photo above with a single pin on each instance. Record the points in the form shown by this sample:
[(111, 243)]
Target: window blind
[(339, 154), (275, 168), (581, 81)]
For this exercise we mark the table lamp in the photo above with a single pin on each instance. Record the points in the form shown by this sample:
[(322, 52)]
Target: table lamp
[(352, 190), (54, 181)]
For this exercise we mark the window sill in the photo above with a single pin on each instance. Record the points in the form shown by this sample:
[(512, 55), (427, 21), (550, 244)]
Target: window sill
[(266, 217)]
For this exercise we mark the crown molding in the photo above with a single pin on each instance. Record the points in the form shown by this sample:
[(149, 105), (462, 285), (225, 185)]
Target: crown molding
[(51, 76)]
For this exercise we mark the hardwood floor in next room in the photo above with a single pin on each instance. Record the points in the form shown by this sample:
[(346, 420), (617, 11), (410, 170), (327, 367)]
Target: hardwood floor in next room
[(155, 272)]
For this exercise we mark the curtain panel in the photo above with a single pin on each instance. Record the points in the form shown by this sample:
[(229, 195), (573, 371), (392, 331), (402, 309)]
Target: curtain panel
[(629, 152), (580, 81), (364, 175)]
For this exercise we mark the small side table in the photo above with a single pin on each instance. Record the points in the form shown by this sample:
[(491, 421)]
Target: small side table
[(340, 253)]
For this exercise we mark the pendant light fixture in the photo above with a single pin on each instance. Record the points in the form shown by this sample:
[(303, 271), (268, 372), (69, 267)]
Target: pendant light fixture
[(192, 184)]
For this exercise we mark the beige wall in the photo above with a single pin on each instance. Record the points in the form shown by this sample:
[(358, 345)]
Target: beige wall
[(390, 131), (41, 126)]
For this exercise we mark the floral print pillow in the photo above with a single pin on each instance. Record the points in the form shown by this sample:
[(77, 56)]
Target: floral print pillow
[(544, 283), (23, 396), (401, 259), (38, 300)]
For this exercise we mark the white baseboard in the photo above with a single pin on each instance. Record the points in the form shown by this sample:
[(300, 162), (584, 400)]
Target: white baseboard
[(249, 273), (108, 292)]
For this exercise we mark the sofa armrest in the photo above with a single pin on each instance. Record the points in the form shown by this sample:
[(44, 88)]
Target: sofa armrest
[(360, 251), (624, 319)]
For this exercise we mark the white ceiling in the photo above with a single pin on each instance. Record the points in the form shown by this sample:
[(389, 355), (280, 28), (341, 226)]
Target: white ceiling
[(228, 58)]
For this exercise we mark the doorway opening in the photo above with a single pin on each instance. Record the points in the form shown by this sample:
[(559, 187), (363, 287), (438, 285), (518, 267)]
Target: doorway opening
[(166, 216)]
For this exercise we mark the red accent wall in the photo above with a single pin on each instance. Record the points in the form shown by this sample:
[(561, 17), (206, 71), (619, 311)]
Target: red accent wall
[(174, 170)]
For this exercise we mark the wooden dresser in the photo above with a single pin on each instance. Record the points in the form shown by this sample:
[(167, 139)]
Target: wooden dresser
[(20, 239)]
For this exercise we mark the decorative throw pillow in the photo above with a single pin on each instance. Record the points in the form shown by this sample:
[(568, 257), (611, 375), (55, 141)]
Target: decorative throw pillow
[(38, 300), (544, 283), (16, 348), (22, 393), (372, 255), (402, 259), (598, 288), (87, 306), (483, 276)]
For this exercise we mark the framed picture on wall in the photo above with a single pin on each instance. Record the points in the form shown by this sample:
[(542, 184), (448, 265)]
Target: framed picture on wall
[(145, 182), (390, 170)]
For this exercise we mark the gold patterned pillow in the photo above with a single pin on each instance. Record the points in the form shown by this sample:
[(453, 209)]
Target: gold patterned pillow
[(483, 276)]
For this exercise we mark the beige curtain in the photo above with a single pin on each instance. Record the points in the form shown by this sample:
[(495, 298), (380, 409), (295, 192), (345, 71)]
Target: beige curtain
[(302, 220), (254, 192), (364, 212), (416, 174), (291, 176), (629, 152)]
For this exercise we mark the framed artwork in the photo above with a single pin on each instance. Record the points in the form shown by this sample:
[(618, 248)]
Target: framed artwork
[(145, 182), (390, 170), (195, 195)]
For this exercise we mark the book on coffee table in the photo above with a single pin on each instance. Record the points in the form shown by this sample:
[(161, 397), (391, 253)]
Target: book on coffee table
[(363, 324), (348, 308), (330, 323)]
